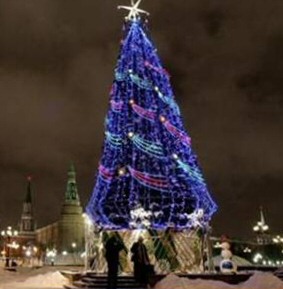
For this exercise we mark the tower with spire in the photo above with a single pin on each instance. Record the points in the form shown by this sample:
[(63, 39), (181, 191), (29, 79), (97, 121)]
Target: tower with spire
[(27, 223), (66, 235), (72, 199), (71, 223), (262, 230)]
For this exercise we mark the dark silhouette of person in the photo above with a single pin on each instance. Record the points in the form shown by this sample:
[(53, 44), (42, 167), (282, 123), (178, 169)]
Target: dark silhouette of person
[(141, 262), (113, 247)]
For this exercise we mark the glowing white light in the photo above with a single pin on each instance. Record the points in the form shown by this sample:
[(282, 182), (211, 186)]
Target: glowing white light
[(122, 172), (257, 257), (131, 134), (87, 219), (247, 250), (175, 156), (14, 245), (256, 228), (51, 254), (265, 228), (140, 218), (217, 245)]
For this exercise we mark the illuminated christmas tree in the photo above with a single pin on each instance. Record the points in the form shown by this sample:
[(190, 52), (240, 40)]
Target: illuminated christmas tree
[(148, 176)]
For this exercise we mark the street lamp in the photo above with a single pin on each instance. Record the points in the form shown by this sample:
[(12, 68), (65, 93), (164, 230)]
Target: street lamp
[(247, 250), (277, 240), (257, 258), (261, 227), (52, 255), (7, 236)]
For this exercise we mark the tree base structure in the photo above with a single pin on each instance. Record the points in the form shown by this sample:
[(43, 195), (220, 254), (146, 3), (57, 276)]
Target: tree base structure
[(180, 252)]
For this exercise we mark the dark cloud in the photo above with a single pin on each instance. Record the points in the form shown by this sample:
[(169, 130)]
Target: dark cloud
[(56, 67), (214, 21), (264, 84)]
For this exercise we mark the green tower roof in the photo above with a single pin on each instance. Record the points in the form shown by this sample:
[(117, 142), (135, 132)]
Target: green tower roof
[(72, 189)]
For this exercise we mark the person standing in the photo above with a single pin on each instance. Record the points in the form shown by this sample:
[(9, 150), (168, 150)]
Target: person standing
[(112, 249), (141, 262)]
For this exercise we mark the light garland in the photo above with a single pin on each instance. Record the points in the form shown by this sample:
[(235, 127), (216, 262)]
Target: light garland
[(105, 174), (168, 100), (160, 70), (147, 114), (140, 218), (182, 136), (114, 140), (141, 83), (154, 149), (193, 172), (152, 181)]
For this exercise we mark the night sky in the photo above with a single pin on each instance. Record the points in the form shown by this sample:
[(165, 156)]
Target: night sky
[(226, 60)]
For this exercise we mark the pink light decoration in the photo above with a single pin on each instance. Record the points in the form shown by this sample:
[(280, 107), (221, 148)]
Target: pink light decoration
[(106, 173), (117, 105), (157, 182), (177, 133), (148, 114), (157, 69)]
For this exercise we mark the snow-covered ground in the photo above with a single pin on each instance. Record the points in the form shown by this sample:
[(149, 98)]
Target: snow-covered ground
[(50, 278), (257, 281), (25, 278)]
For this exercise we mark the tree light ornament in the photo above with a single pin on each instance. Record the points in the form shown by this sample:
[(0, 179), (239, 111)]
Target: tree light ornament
[(175, 156), (148, 176), (122, 172), (131, 134)]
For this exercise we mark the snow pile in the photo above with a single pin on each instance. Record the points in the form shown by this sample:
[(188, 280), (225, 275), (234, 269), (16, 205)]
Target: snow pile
[(262, 281), (173, 281), (49, 280), (257, 281)]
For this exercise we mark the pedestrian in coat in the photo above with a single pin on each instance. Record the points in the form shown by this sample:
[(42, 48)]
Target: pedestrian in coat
[(141, 262), (113, 247)]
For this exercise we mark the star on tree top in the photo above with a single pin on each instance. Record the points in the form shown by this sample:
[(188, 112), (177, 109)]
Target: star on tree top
[(134, 9)]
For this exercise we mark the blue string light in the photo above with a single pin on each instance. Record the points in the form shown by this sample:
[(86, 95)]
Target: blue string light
[(148, 165), (114, 140), (151, 148)]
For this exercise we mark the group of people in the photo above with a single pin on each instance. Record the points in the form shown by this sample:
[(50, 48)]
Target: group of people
[(142, 266)]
